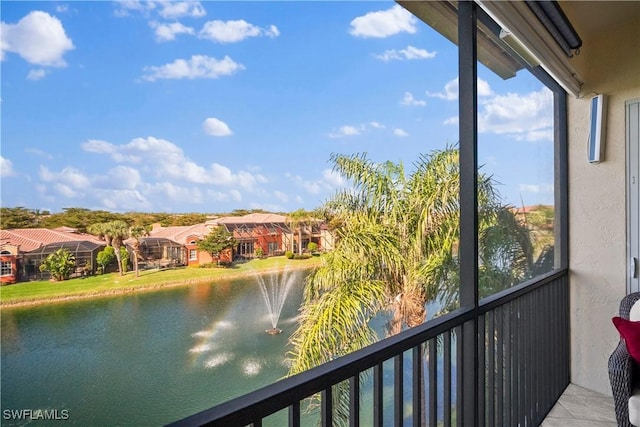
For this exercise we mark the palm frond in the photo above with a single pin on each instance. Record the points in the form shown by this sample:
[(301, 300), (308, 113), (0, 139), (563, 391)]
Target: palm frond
[(335, 323)]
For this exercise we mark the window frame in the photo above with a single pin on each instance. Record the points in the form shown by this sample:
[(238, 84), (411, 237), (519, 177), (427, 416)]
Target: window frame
[(469, 14), (4, 268)]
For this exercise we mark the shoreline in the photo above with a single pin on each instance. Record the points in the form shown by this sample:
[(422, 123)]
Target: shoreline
[(144, 288)]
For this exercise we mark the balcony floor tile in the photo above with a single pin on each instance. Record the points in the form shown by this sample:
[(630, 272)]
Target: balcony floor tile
[(579, 406)]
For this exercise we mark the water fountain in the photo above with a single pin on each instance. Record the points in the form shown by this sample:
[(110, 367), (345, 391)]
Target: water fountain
[(274, 292)]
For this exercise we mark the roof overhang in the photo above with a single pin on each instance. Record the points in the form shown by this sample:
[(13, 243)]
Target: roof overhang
[(520, 38)]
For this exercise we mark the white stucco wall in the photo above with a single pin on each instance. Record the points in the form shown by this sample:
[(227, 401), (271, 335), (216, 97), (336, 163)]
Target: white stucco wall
[(609, 63)]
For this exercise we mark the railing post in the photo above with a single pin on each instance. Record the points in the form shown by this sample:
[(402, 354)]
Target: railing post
[(354, 400), (417, 386), (398, 389), (378, 404), (326, 407), (467, 71), (294, 414)]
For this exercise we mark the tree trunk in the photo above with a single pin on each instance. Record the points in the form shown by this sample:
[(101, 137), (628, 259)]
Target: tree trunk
[(135, 263), (117, 251)]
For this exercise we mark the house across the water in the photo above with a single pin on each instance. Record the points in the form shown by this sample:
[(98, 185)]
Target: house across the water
[(22, 252), (257, 234)]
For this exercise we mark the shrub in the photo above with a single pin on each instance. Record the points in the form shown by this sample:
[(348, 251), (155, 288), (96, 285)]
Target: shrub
[(302, 256), (207, 265), (104, 258), (124, 259), (289, 254), (221, 264), (59, 264), (259, 252), (312, 247)]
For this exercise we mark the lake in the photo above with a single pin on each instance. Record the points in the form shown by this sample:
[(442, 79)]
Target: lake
[(147, 358)]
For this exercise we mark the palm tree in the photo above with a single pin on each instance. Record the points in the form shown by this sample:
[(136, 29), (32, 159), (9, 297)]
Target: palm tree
[(116, 231), (297, 220), (136, 232), (396, 249), (99, 230)]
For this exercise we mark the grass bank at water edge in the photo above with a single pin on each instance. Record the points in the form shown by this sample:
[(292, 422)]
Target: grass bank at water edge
[(113, 284)]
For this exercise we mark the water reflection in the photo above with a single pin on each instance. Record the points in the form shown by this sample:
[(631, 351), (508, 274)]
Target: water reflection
[(211, 339)]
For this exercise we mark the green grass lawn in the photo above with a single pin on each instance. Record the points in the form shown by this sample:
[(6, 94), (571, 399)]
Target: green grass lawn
[(113, 283)]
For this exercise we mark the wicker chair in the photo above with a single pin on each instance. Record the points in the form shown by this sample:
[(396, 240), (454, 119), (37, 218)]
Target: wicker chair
[(623, 370)]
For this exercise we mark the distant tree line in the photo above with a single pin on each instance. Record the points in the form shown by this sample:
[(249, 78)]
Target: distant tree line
[(81, 218)]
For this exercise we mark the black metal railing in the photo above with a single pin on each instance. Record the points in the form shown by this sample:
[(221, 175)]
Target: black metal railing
[(522, 369)]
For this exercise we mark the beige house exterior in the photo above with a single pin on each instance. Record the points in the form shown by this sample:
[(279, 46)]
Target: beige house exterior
[(608, 63)]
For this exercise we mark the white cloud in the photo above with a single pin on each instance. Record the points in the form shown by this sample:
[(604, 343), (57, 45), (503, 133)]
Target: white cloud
[(167, 32), (121, 200), (123, 177), (6, 167), (61, 8), (536, 188), (198, 67), (36, 74), (70, 180), (178, 193), (39, 152), (281, 196), (178, 9), (384, 23), (329, 181), (164, 8), (333, 178), (235, 31), (164, 159), (216, 127), (126, 6), (222, 196), (312, 187), (98, 146), (526, 117), (405, 54), (483, 88), (346, 130), (104, 147), (351, 130), (66, 191), (452, 121), (104, 193), (38, 38), (540, 135), (151, 173), (450, 92), (400, 132), (408, 99)]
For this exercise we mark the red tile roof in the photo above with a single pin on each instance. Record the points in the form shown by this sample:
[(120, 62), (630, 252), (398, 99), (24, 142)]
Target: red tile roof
[(32, 238), (180, 233), (254, 218)]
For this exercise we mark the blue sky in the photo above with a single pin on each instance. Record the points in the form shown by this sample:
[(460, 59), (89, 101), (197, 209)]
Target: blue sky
[(214, 106)]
